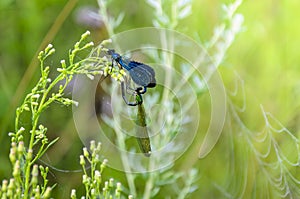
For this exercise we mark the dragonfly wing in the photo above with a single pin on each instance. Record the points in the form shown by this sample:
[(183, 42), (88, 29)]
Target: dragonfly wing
[(142, 74)]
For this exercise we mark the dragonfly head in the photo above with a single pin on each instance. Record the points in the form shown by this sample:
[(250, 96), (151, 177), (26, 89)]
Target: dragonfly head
[(113, 54)]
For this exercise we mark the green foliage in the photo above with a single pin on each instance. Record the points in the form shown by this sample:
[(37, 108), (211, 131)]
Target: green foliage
[(24, 155), (93, 182), (167, 14), (256, 156)]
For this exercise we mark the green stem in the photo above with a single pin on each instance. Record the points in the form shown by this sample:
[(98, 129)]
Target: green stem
[(17, 120), (35, 119), (28, 159), (104, 14), (126, 165), (150, 181)]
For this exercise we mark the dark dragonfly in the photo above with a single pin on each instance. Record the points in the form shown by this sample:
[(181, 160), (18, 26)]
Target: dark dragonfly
[(141, 74)]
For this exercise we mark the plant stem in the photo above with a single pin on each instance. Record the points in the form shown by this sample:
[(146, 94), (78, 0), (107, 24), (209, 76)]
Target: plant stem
[(150, 181), (126, 165), (35, 120)]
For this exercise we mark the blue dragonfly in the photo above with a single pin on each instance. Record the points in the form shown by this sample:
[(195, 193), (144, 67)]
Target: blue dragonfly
[(143, 76)]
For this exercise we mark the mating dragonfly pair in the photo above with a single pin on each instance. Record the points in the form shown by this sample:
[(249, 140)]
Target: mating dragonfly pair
[(141, 74), (144, 77)]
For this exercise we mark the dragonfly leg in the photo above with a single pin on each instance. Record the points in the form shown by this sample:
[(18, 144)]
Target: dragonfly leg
[(124, 89)]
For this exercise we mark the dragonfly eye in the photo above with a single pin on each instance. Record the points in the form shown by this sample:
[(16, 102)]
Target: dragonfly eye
[(111, 51), (141, 74), (114, 55)]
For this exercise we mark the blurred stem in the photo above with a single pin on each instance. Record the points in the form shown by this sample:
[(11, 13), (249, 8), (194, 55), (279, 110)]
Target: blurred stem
[(120, 137), (150, 181), (104, 14), (168, 60), (126, 165)]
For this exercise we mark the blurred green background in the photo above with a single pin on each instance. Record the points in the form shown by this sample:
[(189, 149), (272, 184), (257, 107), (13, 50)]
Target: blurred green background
[(265, 55)]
